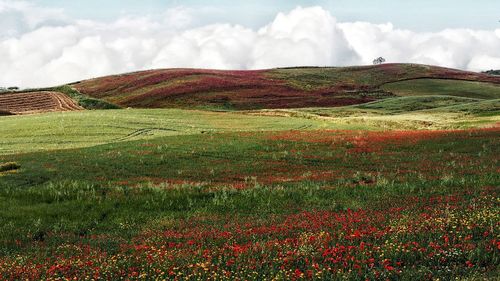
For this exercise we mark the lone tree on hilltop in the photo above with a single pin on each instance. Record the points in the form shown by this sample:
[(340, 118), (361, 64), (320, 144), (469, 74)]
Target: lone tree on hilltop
[(379, 60)]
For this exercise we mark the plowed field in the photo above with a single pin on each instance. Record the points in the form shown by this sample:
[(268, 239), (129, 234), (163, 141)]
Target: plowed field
[(37, 102)]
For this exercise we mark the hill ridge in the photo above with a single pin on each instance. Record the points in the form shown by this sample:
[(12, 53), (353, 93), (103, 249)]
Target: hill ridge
[(259, 89)]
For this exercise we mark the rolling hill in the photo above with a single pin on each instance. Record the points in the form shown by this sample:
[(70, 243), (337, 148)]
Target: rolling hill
[(280, 88), (285, 88)]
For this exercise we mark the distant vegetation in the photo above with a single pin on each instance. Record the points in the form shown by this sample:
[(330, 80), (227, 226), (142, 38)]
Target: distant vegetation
[(379, 60), (7, 90), (493, 72)]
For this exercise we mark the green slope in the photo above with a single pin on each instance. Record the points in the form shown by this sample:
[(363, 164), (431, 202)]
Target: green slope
[(482, 108), (415, 103), (421, 87)]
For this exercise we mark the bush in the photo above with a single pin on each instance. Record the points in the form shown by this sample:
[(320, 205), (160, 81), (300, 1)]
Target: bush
[(10, 166)]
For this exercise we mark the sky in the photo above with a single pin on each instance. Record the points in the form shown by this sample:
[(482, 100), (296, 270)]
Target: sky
[(414, 14), (50, 42)]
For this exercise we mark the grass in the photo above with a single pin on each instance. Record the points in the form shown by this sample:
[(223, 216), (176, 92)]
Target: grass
[(89, 128), (416, 103), (181, 199), (287, 194), (415, 112), (369, 77), (482, 108), (467, 89)]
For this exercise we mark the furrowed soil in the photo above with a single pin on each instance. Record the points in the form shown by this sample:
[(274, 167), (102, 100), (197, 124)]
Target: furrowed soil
[(36, 102)]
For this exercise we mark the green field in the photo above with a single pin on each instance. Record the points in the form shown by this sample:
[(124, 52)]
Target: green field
[(424, 87), (405, 187), (88, 128)]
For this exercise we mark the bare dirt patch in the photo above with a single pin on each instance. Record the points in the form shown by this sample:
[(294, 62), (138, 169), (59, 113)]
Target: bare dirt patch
[(37, 102)]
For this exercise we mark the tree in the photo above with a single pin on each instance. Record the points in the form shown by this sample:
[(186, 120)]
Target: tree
[(379, 60)]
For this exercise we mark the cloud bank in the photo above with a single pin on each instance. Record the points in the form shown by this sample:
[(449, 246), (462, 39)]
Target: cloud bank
[(43, 47)]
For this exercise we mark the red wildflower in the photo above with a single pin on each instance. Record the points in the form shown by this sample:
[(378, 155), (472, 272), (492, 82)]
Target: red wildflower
[(388, 267), (298, 273)]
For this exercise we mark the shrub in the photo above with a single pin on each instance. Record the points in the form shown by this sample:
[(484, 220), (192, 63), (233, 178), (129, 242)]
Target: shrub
[(10, 166)]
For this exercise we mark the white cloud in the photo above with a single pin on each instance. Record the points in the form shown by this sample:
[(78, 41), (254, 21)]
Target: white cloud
[(42, 47), (305, 36), (17, 17)]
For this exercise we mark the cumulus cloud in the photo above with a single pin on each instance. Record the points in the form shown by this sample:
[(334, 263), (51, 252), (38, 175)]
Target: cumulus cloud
[(17, 17), (43, 47)]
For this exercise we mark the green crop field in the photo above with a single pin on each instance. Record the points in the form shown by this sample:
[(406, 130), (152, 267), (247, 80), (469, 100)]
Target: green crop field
[(404, 186)]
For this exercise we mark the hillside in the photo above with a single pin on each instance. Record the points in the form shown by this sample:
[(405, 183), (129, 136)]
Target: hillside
[(284, 88), (426, 87), (271, 89)]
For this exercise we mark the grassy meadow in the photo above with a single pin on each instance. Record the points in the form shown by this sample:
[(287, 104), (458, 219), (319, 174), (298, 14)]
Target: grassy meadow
[(89, 128), (405, 187), (425, 87)]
